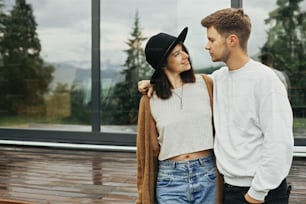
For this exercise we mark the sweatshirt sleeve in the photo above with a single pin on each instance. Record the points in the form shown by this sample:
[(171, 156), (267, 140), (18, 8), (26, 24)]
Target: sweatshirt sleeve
[(275, 119)]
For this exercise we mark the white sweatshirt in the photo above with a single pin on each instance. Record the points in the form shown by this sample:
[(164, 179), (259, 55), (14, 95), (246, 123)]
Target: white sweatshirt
[(253, 122)]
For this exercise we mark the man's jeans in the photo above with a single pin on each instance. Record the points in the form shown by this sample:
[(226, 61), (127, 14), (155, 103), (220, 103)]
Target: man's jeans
[(235, 194), (187, 182)]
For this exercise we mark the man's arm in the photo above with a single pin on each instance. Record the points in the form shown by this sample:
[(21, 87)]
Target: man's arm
[(145, 87), (275, 117)]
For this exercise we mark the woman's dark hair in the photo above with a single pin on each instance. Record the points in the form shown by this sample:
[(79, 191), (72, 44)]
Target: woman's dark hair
[(162, 85)]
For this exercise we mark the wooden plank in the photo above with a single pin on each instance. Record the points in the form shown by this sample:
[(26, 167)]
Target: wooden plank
[(6, 201), (47, 175), (62, 176)]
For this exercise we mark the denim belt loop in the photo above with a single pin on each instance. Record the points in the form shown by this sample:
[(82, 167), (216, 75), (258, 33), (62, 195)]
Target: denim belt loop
[(201, 161), (174, 165)]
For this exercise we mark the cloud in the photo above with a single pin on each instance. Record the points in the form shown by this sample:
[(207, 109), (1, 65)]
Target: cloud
[(190, 13), (258, 12), (60, 44), (57, 13), (64, 26)]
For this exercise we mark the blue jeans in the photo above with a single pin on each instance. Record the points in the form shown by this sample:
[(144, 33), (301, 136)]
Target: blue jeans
[(187, 182), (235, 194)]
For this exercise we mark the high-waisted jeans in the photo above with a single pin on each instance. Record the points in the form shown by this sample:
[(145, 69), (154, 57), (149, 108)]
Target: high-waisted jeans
[(187, 182)]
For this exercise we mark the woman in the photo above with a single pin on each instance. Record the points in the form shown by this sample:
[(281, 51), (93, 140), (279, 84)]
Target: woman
[(175, 127)]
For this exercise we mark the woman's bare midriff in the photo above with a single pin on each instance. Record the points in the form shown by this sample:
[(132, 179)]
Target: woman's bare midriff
[(191, 156)]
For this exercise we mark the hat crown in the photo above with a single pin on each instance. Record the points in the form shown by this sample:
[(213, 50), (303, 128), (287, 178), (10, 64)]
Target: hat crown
[(159, 47)]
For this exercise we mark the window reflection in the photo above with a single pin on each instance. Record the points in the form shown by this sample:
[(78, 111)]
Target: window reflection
[(45, 64), (45, 59), (124, 33), (284, 39)]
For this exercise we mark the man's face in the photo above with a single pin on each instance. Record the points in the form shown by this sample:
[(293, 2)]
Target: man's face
[(216, 45)]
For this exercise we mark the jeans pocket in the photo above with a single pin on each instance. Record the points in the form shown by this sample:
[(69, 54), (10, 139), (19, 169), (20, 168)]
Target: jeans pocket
[(211, 174), (279, 195), (164, 180)]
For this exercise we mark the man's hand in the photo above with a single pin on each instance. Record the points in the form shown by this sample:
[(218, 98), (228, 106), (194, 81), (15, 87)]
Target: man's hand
[(249, 199), (145, 87)]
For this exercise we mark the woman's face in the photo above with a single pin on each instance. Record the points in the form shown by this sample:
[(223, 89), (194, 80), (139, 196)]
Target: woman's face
[(178, 60)]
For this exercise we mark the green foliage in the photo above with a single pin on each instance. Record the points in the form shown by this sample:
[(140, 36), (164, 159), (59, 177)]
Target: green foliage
[(287, 42), (299, 123), (61, 88), (79, 111), (208, 70), (24, 75), (122, 108), (2, 18)]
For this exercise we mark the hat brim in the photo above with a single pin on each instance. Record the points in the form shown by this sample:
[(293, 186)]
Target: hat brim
[(180, 38)]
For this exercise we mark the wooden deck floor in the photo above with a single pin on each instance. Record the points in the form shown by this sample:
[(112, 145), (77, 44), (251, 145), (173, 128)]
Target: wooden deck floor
[(62, 176)]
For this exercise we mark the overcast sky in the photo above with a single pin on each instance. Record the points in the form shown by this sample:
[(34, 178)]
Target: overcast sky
[(64, 26)]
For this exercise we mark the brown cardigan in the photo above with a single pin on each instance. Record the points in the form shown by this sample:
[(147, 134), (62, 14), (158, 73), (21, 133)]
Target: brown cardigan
[(147, 161)]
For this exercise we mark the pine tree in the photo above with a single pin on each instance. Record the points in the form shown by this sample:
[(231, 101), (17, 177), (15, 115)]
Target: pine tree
[(2, 17), (125, 97), (27, 76), (135, 63), (287, 42)]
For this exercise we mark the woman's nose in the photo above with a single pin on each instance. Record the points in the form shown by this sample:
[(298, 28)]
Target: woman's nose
[(185, 54)]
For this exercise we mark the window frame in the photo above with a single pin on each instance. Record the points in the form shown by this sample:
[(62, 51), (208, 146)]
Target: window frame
[(95, 137)]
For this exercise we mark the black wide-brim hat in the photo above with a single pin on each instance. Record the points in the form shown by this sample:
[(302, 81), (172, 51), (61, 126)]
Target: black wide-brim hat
[(159, 47)]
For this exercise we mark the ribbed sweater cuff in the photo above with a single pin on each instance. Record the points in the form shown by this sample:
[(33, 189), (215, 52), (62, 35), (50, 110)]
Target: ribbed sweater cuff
[(258, 195)]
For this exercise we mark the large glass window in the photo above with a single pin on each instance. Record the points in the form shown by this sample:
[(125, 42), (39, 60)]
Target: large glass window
[(45, 64), (278, 34), (49, 62), (124, 33)]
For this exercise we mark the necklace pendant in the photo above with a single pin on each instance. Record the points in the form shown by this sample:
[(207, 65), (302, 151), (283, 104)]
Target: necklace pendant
[(180, 97)]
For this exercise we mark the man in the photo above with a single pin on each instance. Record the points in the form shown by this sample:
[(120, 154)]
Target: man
[(267, 59), (252, 116)]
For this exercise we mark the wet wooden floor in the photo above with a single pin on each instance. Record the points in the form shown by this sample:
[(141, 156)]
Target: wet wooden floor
[(57, 176), (62, 176)]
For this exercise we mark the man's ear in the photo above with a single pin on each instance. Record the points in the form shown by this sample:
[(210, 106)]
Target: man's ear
[(233, 40)]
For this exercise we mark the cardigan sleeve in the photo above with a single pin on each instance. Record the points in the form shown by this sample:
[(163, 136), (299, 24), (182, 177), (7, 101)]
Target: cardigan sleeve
[(209, 84), (220, 181), (146, 161)]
